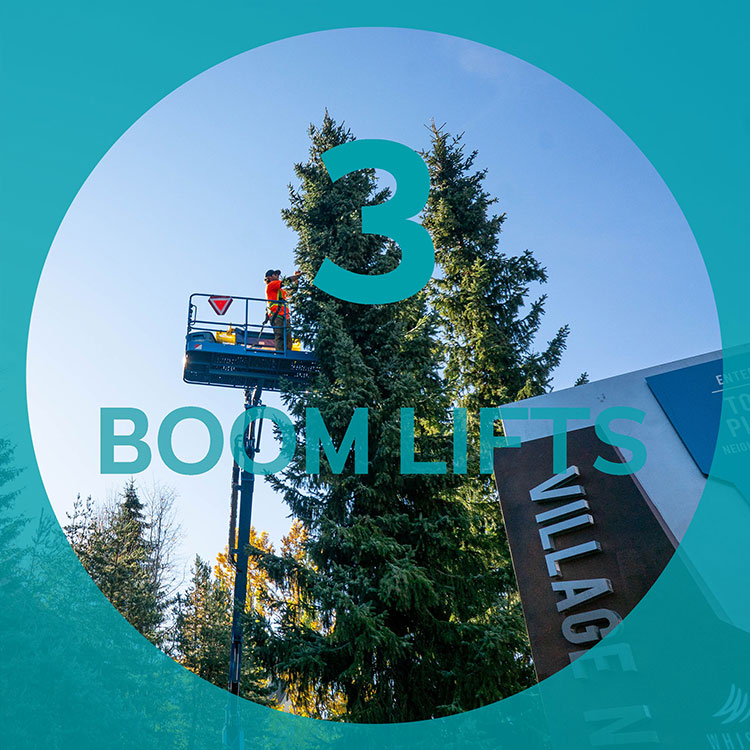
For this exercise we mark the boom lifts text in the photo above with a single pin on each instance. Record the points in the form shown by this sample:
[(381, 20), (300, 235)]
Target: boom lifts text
[(355, 440)]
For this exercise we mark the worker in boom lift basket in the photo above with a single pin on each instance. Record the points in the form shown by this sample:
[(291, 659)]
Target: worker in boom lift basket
[(277, 314)]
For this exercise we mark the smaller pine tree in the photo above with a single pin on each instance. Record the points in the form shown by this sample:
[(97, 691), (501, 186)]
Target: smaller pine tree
[(113, 546), (202, 624), (125, 577)]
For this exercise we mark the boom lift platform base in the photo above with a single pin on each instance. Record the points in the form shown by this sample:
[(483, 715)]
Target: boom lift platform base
[(240, 357)]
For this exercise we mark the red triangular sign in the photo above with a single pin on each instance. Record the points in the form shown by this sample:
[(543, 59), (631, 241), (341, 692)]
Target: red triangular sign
[(220, 304)]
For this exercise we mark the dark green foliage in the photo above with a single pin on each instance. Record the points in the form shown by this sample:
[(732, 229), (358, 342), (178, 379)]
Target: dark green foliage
[(407, 609), (489, 329), (481, 293)]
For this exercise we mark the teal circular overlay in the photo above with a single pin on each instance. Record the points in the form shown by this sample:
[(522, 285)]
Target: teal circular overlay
[(75, 674)]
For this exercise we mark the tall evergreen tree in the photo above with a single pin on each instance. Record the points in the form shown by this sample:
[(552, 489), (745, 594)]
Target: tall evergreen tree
[(487, 323), (408, 614)]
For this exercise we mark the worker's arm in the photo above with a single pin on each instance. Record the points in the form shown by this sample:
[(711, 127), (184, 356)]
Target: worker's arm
[(294, 278)]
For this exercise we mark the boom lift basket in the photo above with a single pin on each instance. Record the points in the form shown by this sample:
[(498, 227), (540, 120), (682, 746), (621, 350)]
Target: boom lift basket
[(240, 354)]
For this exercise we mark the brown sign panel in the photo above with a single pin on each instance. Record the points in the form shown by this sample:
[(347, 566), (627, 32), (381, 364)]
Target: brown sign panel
[(586, 545)]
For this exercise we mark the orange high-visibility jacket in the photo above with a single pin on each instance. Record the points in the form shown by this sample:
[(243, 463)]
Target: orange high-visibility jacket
[(275, 294)]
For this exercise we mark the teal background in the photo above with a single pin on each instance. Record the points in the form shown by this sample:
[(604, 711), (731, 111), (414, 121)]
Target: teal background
[(75, 76)]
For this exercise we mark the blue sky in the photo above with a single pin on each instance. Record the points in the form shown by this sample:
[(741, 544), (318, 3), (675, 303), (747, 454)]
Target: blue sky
[(189, 199)]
